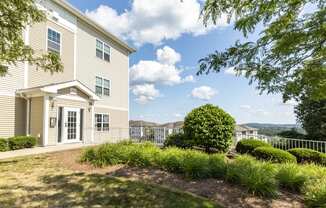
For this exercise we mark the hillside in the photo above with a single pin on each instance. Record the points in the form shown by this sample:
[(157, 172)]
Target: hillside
[(263, 128)]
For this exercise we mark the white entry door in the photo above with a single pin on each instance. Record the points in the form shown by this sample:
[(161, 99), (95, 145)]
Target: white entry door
[(71, 125)]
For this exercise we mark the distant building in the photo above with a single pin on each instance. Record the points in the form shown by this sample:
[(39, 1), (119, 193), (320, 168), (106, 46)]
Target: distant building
[(245, 132)]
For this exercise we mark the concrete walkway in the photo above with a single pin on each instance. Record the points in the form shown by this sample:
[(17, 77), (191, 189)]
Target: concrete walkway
[(40, 150)]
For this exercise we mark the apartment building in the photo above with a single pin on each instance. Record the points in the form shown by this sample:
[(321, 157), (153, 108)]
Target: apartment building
[(88, 102)]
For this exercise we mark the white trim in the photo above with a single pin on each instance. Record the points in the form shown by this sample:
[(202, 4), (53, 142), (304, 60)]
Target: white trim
[(45, 120), (128, 102), (26, 65), (53, 89), (75, 55), (111, 107), (70, 29), (70, 97), (92, 123), (47, 38)]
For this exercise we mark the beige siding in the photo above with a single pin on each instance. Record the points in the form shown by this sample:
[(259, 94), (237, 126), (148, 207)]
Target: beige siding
[(12, 116), (89, 66), (13, 80), (119, 126), (36, 119), (38, 41)]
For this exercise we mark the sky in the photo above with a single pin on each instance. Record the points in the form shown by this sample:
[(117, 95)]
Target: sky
[(170, 39)]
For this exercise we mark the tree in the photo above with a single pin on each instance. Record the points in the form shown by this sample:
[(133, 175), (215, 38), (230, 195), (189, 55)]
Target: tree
[(14, 16), (312, 115), (289, 55), (208, 126)]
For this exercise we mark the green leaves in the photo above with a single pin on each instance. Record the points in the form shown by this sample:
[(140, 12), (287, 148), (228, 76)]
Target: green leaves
[(289, 52), (15, 15)]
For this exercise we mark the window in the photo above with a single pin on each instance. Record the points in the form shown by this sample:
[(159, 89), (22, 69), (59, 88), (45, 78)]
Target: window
[(102, 86), (54, 41), (103, 50), (102, 122)]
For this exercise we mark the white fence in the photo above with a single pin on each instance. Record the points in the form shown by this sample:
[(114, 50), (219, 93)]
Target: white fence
[(288, 143), (158, 135)]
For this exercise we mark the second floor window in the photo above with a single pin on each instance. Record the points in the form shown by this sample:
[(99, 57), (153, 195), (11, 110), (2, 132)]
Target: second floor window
[(54, 41), (102, 86), (103, 51)]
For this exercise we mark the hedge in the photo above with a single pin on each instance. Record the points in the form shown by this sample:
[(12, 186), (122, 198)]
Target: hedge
[(274, 155), (308, 155), (21, 142), (3, 145), (248, 145), (177, 140)]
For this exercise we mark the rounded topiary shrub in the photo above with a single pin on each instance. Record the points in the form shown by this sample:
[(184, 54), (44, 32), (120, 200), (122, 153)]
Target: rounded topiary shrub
[(273, 154), (308, 155), (247, 146), (209, 127), (177, 140), (3, 145)]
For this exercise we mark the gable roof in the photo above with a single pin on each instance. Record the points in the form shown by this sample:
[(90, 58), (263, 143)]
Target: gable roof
[(55, 87), (95, 25)]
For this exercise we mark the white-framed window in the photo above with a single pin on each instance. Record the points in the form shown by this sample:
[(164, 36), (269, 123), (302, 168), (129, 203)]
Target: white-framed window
[(102, 122), (102, 86), (103, 50), (54, 41)]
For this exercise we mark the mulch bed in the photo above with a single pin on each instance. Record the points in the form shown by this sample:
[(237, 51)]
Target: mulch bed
[(223, 193)]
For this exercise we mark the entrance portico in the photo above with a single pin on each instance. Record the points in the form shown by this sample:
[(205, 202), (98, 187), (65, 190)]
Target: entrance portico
[(60, 113)]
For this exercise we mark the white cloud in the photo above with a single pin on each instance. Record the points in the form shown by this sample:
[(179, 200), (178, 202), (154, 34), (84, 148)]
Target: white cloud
[(162, 71), (289, 103), (230, 71), (152, 22), (145, 93), (178, 115), (167, 55), (203, 93)]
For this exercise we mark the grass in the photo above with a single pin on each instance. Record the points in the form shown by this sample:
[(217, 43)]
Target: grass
[(41, 182), (258, 177)]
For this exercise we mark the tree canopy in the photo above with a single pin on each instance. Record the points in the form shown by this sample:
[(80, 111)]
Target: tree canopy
[(289, 55), (15, 15)]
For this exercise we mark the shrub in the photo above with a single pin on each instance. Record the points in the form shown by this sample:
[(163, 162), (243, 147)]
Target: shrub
[(20, 142), (273, 154), (258, 177), (209, 127), (171, 159), (248, 145), (218, 165), (315, 194), (196, 164), (308, 155), (3, 145), (291, 177), (143, 155), (177, 140)]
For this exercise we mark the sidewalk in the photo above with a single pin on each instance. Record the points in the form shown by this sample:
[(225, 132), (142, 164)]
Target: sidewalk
[(40, 150)]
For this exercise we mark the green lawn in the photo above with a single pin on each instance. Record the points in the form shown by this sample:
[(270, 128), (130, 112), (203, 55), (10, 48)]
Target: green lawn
[(40, 182)]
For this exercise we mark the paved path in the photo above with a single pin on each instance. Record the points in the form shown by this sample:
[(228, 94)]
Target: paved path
[(40, 150)]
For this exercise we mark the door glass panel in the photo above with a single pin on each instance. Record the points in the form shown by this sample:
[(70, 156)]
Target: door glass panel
[(72, 125)]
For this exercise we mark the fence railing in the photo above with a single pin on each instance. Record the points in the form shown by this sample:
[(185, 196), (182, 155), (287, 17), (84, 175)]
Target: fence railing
[(158, 135), (288, 143)]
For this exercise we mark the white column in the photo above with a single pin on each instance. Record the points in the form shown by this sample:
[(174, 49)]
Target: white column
[(92, 127), (46, 103), (28, 104)]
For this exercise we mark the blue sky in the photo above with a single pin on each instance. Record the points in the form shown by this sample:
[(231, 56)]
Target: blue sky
[(170, 41)]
